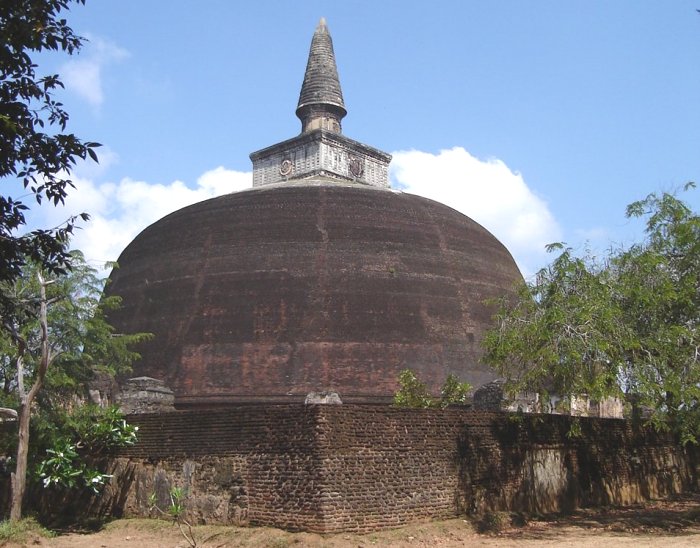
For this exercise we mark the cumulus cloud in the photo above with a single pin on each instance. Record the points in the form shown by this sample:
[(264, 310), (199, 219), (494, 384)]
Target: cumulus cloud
[(489, 192), (83, 73), (119, 211)]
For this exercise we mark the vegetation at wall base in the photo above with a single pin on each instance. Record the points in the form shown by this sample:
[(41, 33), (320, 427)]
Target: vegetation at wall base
[(89, 432), (494, 522), (624, 325), (175, 511)]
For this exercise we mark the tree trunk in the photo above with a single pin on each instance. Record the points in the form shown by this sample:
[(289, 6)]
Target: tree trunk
[(19, 476)]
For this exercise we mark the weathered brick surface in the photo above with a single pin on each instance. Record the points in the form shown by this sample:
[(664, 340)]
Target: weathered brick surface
[(269, 294), (435, 463), (247, 464), (328, 468)]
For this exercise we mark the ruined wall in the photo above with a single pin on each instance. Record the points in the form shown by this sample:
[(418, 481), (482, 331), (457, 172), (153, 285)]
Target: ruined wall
[(241, 465), (386, 466), (328, 468)]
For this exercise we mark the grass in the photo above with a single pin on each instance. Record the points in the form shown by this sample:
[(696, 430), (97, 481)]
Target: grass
[(22, 530)]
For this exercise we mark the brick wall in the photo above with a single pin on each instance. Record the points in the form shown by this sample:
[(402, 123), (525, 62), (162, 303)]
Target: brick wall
[(386, 466), (239, 465), (361, 468)]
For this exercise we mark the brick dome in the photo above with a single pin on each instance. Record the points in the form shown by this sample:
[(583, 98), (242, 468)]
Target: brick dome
[(274, 292)]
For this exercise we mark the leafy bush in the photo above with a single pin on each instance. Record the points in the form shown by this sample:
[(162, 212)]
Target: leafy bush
[(176, 511), (414, 393), (89, 432), (98, 430), (454, 392)]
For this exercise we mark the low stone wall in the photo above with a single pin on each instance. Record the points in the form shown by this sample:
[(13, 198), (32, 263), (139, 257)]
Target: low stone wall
[(330, 468)]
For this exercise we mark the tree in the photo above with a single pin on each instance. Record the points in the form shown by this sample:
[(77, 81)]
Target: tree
[(57, 338), (659, 294), (562, 332), (34, 147), (19, 477), (628, 324)]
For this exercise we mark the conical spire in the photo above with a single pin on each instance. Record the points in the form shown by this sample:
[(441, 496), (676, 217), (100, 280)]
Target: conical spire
[(321, 153), (321, 100)]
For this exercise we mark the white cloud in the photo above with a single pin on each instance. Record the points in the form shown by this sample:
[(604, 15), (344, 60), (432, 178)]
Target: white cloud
[(119, 211), (83, 73), (488, 192)]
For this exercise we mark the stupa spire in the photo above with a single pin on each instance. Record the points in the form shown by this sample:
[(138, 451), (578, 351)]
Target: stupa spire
[(321, 103), (321, 152)]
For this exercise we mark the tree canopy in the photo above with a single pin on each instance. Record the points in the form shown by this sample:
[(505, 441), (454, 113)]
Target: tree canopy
[(35, 148), (624, 325), (56, 340), (82, 342)]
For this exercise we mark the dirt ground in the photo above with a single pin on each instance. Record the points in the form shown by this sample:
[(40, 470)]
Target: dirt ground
[(662, 523)]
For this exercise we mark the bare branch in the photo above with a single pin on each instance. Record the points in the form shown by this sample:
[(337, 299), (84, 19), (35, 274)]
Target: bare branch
[(7, 413)]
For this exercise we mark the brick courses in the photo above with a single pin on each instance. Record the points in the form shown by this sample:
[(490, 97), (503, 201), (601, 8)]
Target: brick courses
[(367, 467), (272, 293)]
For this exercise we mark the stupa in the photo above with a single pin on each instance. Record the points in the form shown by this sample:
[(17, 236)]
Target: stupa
[(319, 278)]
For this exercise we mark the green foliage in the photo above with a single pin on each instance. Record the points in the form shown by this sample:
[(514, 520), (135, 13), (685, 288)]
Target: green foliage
[(177, 502), (98, 430), (61, 467), (64, 468), (575, 429), (454, 392), (18, 532), (414, 393), (558, 335), (176, 510), (81, 343), (628, 324), (81, 338), (34, 147), (87, 433)]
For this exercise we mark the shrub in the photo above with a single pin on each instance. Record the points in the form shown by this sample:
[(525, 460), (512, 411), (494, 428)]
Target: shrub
[(494, 522), (454, 392), (414, 393)]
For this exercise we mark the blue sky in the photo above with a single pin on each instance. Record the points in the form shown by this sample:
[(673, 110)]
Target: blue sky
[(541, 120)]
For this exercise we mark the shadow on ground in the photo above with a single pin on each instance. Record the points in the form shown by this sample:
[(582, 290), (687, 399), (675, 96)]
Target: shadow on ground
[(677, 516)]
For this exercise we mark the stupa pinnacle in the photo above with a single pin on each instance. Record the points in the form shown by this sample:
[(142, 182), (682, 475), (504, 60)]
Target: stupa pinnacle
[(321, 103), (321, 150)]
